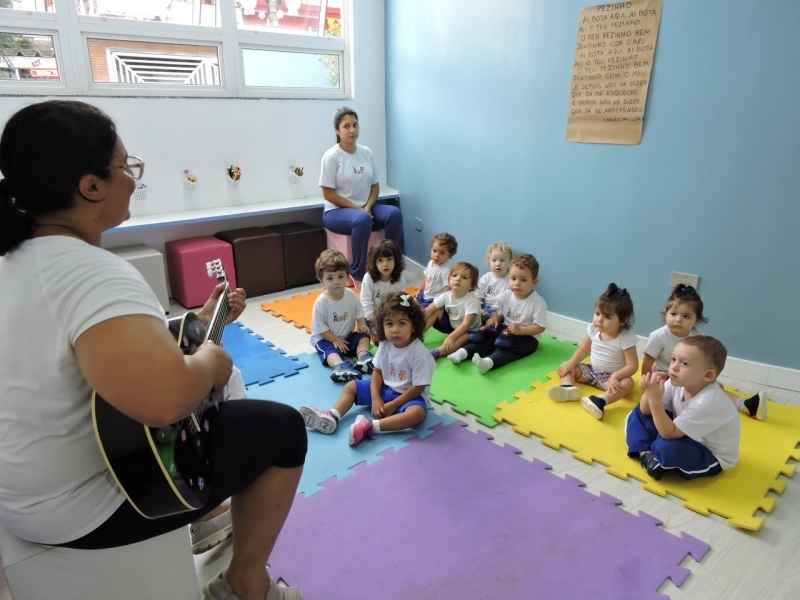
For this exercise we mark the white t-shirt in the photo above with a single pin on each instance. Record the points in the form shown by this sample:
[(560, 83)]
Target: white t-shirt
[(54, 484), (372, 292), (338, 316), (527, 311), (709, 418), (457, 309), (661, 343), (436, 279), (403, 368), (609, 356), (490, 288), (350, 175)]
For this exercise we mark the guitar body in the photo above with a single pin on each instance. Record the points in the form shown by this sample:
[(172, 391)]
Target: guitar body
[(161, 471)]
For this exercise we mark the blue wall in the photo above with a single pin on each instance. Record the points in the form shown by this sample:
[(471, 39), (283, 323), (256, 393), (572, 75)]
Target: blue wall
[(477, 98)]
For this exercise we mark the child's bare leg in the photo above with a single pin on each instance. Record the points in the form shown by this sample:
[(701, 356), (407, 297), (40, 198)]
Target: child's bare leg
[(626, 385), (455, 344), (413, 415), (334, 359), (595, 404), (432, 317), (363, 347), (346, 399)]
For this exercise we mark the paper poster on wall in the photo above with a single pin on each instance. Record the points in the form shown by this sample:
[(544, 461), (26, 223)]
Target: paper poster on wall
[(611, 72)]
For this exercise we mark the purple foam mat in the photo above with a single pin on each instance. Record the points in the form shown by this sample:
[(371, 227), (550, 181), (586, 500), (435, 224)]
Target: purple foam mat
[(456, 516)]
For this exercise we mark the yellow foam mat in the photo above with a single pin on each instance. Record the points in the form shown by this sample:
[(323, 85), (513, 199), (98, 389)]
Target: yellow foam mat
[(736, 494)]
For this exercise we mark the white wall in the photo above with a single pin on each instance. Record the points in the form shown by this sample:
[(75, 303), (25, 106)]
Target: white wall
[(263, 137)]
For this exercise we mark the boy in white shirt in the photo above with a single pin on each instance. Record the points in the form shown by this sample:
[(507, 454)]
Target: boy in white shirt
[(434, 283), (685, 421), (338, 328)]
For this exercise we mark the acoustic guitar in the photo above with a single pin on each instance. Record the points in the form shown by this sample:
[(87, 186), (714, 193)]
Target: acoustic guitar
[(165, 471)]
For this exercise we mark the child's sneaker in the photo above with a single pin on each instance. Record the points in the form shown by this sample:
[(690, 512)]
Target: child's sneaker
[(360, 430), (321, 420), (594, 405), (755, 406), (364, 363), (345, 371), (651, 465), (504, 339), (457, 356), (564, 393)]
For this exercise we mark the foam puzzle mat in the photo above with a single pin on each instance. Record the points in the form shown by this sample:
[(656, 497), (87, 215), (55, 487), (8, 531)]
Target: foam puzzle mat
[(736, 494), (259, 360), (456, 516), (468, 392), (330, 455)]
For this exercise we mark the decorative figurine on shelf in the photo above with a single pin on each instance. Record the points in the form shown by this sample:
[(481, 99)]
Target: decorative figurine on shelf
[(189, 180), (234, 175), (295, 173)]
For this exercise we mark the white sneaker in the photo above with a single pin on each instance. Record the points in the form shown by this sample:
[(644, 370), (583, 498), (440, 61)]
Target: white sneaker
[(562, 393), (457, 356), (210, 533)]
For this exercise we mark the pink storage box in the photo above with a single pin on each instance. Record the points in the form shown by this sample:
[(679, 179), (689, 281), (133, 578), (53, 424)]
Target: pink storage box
[(186, 263), (342, 242)]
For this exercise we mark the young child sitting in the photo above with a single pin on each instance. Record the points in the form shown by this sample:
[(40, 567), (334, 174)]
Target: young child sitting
[(457, 312), (398, 393), (684, 420), (613, 355), (337, 326), (384, 274), (524, 314), (495, 282), (434, 283), (685, 310)]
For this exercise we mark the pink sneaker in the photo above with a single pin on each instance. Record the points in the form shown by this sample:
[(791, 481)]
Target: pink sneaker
[(321, 420), (360, 430)]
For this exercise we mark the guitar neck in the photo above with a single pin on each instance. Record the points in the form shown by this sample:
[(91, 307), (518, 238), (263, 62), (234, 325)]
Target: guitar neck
[(219, 318)]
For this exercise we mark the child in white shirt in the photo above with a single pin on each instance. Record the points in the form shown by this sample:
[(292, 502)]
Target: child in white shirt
[(613, 355), (384, 274), (456, 312), (684, 420), (398, 393), (523, 314), (443, 247), (495, 282)]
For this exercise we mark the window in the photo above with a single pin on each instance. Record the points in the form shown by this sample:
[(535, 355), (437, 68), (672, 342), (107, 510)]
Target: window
[(218, 48)]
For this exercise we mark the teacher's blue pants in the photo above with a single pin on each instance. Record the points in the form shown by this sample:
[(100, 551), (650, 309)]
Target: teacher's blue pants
[(359, 225)]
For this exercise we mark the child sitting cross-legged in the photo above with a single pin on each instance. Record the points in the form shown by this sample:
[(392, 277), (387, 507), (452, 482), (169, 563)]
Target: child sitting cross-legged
[(524, 316), (338, 329), (684, 420), (398, 393), (457, 312)]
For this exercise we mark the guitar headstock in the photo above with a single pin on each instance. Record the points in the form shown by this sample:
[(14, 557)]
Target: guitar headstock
[(215, 269)]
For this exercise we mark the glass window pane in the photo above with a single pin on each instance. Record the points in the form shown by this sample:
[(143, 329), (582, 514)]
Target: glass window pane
[(125, 61), (27, 58), (271, 68), (31, 5), (291, 16), (183, 12)]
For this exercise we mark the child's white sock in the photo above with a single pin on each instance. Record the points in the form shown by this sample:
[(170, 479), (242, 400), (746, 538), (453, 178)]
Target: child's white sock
[(336, 414), (484, 365), (376, 426)]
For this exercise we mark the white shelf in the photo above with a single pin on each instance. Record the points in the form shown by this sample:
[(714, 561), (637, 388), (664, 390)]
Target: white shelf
[(229, 212)]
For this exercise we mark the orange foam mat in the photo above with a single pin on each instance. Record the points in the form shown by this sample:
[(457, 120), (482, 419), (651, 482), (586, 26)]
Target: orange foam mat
[(736, 494)]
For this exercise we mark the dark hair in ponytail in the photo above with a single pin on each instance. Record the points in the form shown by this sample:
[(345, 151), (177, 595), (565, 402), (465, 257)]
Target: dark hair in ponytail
[(45, 150), (339, 115), (686, 294), (618, 301)]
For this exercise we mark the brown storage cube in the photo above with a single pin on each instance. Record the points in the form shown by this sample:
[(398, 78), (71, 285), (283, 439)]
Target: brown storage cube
[(258, 254), (302, 245)]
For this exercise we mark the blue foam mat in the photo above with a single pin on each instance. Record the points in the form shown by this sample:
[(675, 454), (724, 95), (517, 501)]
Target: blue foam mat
[(330, 455), (258, 359)]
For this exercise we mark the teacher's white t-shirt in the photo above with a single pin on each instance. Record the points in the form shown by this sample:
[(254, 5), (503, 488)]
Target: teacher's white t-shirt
[(350, 175)]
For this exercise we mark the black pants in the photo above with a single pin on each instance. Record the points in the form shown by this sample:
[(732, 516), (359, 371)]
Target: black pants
[(521, 346), (249, 437)]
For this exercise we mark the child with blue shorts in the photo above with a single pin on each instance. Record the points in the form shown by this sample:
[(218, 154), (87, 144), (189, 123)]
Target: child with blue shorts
[(398, 393), (338, 328)]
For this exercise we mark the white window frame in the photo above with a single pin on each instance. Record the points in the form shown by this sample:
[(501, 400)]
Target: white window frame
[(71, 31)]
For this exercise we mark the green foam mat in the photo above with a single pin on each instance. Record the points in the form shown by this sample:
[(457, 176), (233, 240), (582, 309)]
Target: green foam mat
[(468, 392)]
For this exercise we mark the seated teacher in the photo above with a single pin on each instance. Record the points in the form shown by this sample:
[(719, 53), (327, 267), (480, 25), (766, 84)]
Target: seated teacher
[(349, 180), (78, 318)]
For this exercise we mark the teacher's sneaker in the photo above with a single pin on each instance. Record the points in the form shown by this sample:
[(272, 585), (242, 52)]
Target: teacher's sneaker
[(323, 421), (360, 430), (210, 533), (219, 589), (564, 393)]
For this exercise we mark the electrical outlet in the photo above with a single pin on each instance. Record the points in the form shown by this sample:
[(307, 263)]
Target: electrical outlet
[(685, 279), (418, 224)]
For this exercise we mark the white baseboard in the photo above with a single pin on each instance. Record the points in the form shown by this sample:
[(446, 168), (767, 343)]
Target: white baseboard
[(757, 374)]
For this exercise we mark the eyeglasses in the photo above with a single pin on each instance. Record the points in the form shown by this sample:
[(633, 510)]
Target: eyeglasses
[(133, 165)]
